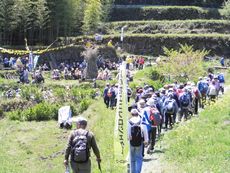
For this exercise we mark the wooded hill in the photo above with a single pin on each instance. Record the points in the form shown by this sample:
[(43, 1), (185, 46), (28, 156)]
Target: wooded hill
[(151, 24)]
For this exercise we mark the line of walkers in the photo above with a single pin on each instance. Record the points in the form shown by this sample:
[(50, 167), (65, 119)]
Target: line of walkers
[(154, 110)]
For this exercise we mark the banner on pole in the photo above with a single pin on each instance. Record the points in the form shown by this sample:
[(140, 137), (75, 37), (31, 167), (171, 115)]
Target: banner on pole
[(120, 131)]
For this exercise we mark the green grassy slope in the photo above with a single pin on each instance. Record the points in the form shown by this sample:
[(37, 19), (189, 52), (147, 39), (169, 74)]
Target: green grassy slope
[(202, 144), (38, 147)]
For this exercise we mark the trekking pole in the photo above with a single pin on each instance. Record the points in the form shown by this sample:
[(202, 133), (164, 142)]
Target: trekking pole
[(99, 166)]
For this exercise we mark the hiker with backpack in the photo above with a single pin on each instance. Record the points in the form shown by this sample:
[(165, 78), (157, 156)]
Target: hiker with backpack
[(112, 95), (152, 119), (202, 86), (78, 148), (222, 81), (138, 137), (106, 95), (170, 109), (212, 91), (197, 98), (185, 103)]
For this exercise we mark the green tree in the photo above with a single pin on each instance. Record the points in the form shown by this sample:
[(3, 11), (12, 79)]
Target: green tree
[(106, 8), (184, 64), (92, 16), (226, 9), (7, 20)]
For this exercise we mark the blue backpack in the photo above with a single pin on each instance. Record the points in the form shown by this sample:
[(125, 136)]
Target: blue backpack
[(185, 100), (203, 87), (170, 107), (221, 78)]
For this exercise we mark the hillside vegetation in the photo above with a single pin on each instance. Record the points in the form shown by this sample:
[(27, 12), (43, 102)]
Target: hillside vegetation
[(134, 12), (170, 27)]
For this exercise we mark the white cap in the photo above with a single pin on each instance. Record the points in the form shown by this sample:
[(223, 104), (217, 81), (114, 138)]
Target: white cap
[(151, 102), (134, 112), (141, 101)]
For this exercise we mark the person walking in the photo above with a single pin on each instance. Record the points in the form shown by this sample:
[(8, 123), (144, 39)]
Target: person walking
[(212, 91), (78, 148), (137, 136), (106, 95)]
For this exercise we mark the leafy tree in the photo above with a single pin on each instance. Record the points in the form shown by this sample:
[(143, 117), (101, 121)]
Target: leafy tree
[(92, 15), (7, 20), (184, 64), (106, 8), (226, 9), (42, 21)]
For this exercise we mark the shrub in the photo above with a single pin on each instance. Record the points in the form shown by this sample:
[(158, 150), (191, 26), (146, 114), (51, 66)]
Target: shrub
[(40, 112), (60, 92), (184, 64), (31, 92), (226, 9), (84, 104)]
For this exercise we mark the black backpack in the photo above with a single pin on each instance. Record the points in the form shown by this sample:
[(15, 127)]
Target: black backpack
[(136, 134), (80, 149), (185, 100)]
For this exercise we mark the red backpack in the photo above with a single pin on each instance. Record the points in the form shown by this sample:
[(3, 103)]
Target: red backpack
[(155, 117)]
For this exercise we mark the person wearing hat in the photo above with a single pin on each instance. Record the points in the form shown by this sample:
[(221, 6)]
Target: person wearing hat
[(78, 148), (146, 120), (138, 137)]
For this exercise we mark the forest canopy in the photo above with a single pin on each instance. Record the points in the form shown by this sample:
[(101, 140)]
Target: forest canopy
[(42, 21)]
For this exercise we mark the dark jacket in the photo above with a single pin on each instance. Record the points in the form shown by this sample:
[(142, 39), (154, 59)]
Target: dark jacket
[(91, 143)]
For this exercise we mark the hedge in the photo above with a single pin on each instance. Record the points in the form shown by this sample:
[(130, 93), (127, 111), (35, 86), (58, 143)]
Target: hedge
[(167, 27), (123, 13), (209, 3)]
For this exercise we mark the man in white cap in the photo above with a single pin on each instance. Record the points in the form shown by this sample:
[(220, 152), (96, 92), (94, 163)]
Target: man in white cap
[(138, 137), (79, 144)]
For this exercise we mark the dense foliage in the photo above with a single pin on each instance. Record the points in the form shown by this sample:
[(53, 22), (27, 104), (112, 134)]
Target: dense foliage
[(42, 21), (184, 64), (169, 26), (172, 2), (121, 13), (226, 9)]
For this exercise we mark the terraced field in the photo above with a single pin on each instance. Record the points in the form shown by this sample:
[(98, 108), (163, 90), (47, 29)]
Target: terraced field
[(150, 28)]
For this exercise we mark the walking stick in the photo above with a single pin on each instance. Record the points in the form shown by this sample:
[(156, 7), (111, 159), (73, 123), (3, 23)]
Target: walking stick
[(99, 166)]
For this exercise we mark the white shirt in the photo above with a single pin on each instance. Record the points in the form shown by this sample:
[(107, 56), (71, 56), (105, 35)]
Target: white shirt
[(136, 120)]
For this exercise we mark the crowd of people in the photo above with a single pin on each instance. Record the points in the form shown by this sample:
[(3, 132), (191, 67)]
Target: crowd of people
[(151, 111), (154, 110)]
